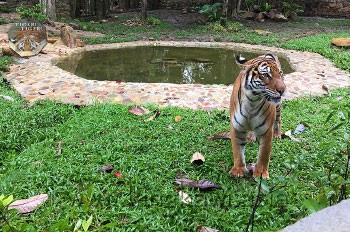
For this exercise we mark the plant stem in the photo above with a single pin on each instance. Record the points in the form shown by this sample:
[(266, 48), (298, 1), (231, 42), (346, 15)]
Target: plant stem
[(257, 202)]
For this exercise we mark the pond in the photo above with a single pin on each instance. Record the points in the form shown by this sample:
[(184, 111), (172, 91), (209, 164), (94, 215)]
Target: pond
[(160, 64)]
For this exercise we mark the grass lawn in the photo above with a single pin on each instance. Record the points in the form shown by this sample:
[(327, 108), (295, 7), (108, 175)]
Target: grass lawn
[(60, 149)]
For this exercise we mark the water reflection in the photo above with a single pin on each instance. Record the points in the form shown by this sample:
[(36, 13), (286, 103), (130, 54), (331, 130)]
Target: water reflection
[(180, 65)]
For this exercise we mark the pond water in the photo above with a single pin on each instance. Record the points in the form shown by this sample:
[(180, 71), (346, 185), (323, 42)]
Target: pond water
[(160, 64)]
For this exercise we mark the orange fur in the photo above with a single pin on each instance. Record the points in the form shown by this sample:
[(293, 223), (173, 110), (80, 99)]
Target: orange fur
[(255, 106)]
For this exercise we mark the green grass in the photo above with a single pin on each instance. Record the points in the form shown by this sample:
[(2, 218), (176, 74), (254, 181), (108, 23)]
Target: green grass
[(321, 44), (150, 155)]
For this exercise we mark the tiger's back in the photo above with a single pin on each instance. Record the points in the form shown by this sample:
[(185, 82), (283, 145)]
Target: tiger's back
[(255, 105)]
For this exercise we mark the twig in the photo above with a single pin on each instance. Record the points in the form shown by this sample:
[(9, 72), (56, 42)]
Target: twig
[(257, 202)]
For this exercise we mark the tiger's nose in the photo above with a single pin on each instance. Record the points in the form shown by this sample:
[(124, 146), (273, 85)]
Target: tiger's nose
[(280, 91)]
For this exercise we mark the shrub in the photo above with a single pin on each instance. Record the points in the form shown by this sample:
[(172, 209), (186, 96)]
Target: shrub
[(34, 12)]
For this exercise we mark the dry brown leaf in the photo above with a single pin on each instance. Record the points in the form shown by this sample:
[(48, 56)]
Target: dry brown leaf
[(178, 118), (206, 229), (325, 88), (30, 204), (200, 184), (197, 158), (59, 148), (138, 110), (288, 134), (156, 115), (107, 168), (221, 135), (184, 197)]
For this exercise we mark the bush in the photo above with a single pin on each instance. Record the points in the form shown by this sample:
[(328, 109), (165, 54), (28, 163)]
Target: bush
[(34, 12)]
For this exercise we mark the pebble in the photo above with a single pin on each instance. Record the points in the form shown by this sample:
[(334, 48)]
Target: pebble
[(38, 78)]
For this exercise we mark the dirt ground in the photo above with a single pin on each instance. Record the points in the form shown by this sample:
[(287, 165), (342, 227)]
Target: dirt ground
[(177, 18)]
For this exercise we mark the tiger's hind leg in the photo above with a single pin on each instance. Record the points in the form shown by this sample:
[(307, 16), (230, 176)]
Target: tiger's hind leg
[(278, 123), (238, 140)]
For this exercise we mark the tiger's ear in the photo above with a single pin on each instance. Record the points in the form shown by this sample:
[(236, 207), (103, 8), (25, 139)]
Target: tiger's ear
[(241, 61)]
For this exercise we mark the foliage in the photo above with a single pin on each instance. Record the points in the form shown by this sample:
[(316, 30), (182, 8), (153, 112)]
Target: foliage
[(153, 21), (34, 12), (334, 179), (224, 26), (5, 61), (289, 8), (213, 12), (150, 155), (5, 9)]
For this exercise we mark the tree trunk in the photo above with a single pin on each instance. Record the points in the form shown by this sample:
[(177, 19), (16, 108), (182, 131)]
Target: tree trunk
[(143, 9), (236, 7), (224, 8), (49, 9)]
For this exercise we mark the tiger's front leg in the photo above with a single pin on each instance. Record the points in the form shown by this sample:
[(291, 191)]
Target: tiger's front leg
[(238, 140), (265, 145), (277, 134)]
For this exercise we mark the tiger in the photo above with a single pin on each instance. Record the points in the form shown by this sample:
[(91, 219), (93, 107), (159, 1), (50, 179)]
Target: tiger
[(255, 111)]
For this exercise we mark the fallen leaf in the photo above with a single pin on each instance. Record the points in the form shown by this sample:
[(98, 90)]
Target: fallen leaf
[(138, 110), (200, 184), (178, 118), (325, 88), (197, 158), (59, 147), (30, 204), (206, 229), (7, 98), (156, 115), (288, 134), (184, 197), (251, 167), (221, 135), (107, 168), (118, 175), (300, 128)]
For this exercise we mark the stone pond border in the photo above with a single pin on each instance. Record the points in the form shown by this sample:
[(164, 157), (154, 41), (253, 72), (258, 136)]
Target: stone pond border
[(38, 78)]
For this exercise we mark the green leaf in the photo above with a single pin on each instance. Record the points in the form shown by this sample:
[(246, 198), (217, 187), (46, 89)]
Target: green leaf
[(87, 224), (7, 201), (78, 225), (312, 205), (336, 127)]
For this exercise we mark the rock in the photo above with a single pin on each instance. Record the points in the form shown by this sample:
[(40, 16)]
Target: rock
[(59, 25), (52, 39), (80, 43), (8, 51), (272, 14), (280, 18), (260, 17), (69, 37), (292, 16), (75, 26), (341, 42), (249, 15)]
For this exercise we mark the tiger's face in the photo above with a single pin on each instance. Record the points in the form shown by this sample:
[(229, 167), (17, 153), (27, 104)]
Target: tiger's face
[(270, 75), (264, 76)]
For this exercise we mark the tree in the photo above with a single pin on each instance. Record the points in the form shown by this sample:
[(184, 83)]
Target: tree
[(49, 8), (143, 9)]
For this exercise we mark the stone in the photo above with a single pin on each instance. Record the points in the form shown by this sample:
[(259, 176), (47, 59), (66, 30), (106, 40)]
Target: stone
[(272, 13), (260, 17), (59, 25), (341, 42), (80, 43), (8, 51), (69, 37), (249, 15), (280, 18)]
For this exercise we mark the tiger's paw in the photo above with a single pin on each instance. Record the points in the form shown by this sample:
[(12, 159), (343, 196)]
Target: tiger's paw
[(238, 171), (277, 136), (264, 174)]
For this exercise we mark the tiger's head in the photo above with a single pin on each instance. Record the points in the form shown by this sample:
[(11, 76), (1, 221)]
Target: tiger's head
[(264, 77)]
